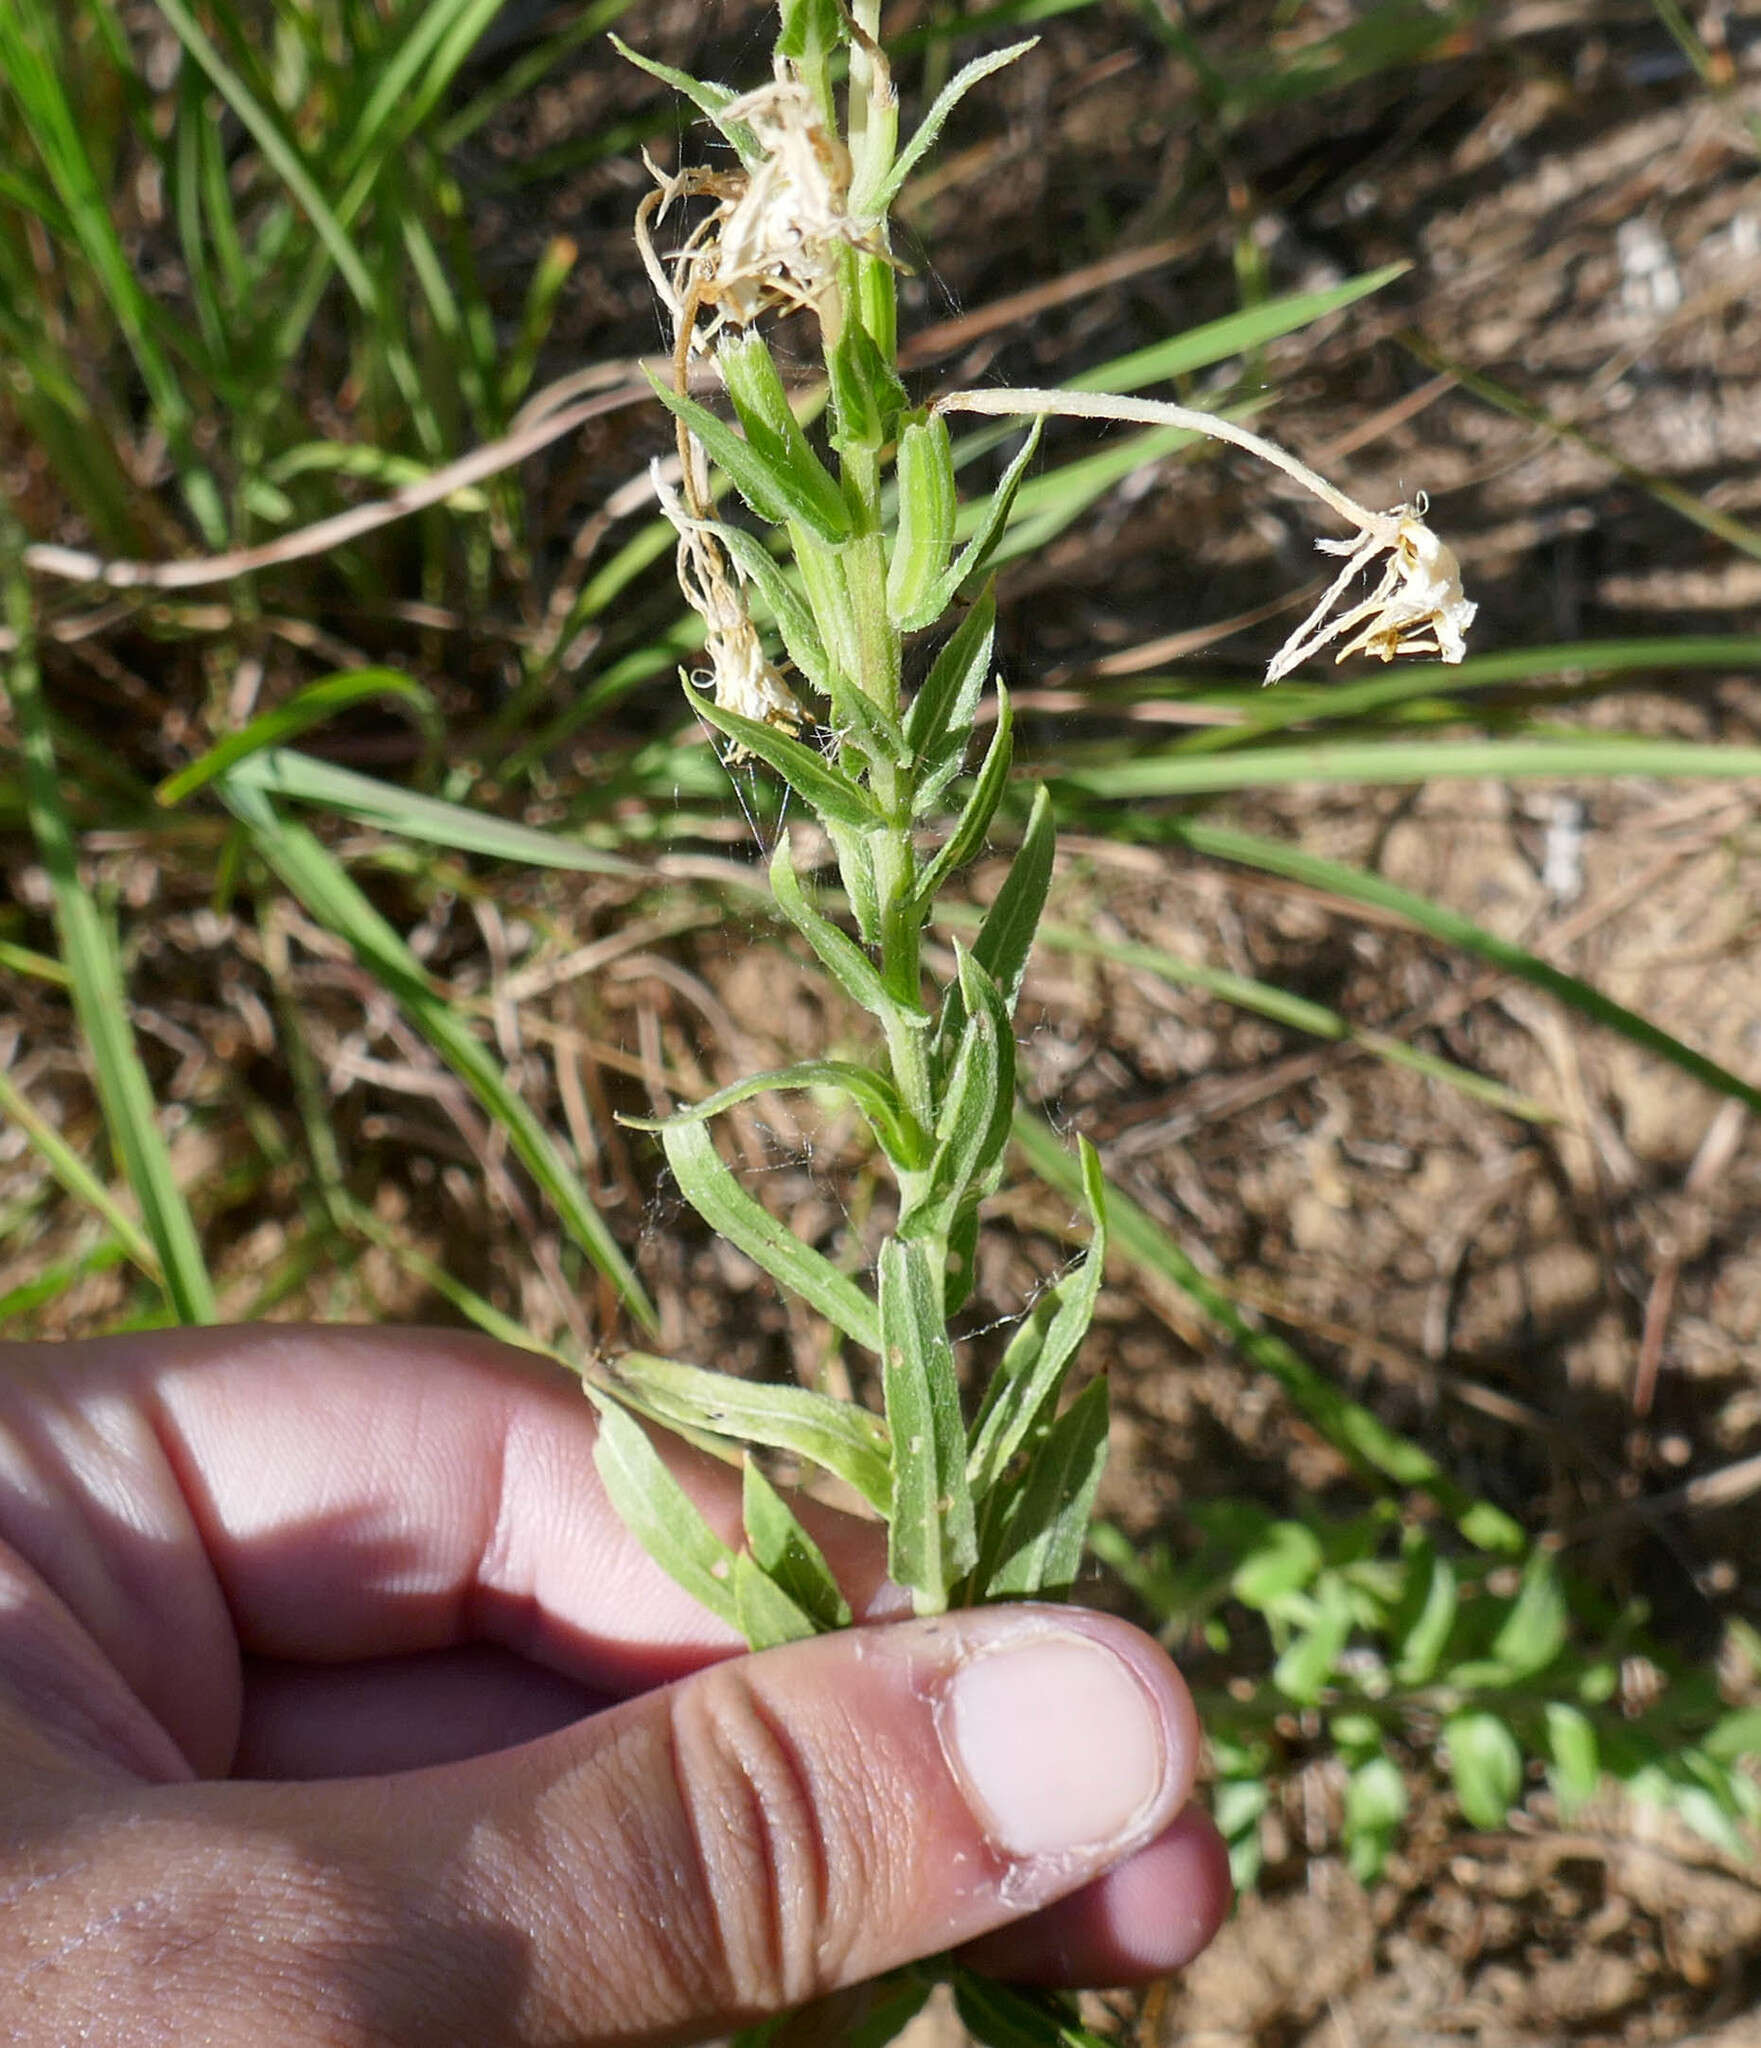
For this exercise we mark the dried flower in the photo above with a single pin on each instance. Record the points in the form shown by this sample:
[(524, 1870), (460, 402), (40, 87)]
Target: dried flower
[(741, 679), (773, 237), (1417, 608)]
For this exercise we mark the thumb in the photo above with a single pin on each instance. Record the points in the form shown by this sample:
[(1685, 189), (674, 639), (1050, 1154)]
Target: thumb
[(766, 1831)]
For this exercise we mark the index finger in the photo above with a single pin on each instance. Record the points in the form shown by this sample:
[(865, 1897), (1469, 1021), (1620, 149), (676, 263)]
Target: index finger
[(327, 1494)]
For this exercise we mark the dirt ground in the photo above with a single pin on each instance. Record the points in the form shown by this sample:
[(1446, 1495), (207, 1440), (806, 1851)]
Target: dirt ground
[(1568, 1314)]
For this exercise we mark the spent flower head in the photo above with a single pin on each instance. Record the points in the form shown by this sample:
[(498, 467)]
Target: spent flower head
[(772, 239), (1417, 608), (739, 675)]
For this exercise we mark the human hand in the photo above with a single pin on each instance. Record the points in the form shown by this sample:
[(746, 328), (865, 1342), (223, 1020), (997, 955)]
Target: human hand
[(339, 1707)]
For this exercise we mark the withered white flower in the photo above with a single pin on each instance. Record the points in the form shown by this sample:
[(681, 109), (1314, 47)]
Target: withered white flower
[(1417, 608), (773, 236), (740, 678)]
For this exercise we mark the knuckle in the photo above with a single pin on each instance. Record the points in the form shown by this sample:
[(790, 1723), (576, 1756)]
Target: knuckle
[(764, 1826)]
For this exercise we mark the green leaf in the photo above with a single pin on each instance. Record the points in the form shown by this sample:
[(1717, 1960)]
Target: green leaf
[(1026, 1384), (659, 1513), (932, 123), (1384, 763), (967, 837), (1005, 939), (1036, 1550), (704, 94), (838, 954), (838, 1436), (1283, 1562), (972, 558), (766, 1616), (972, 1126), (794, 620), (1236, 334), (77, 1177), (927, 507), (999, 2015), (1422, 1648), (867, 397), (1576, 1774), (1375, 1805), (1535, 1629), (100, 994), (763, 476), (1485, 1766), (939, 723), (728, 1209), (900, 1135), (1308, 1667), (830, 792), (304, 709), (319, 882), (787, 1555), (1736, 1736), (426, 819), (809, 28), (756, 391), (931, 1538)]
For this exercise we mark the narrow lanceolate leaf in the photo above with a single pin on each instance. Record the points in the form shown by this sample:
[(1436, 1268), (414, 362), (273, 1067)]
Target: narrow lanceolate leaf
[(659, 1513), (1039, 1536), (775, 488), (940, 719), (967, 838), (973, 1125), (304, 709), (765, 1614), (100, 995), (828, 790), (1026, 1385), (838, 1436), (931, 125), (328, 893), (704, 94), (931, 1538), (838, 953), (1005, 939), (761, 402), (927, 508), (1576, 1773), (794, 621), (728, 1209), (787, 1555), (901, 1136)]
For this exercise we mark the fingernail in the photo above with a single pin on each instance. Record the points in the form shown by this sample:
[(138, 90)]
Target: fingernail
[(1057, 1741)]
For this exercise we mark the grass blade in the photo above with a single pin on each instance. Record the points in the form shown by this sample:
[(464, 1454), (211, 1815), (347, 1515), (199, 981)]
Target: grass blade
[(1168, 773), (304, 709), (409, 815), (1354, 886), (100, 997), (328, 893)]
